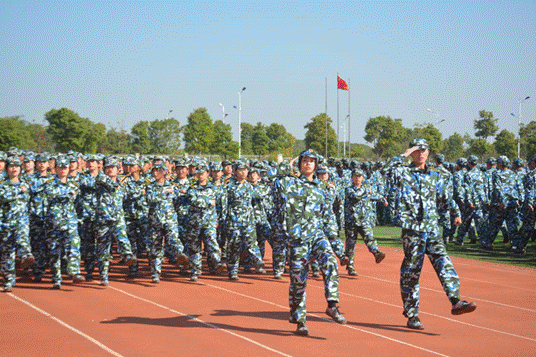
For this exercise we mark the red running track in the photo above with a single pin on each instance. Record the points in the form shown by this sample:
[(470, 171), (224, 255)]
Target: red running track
[(218, 317)]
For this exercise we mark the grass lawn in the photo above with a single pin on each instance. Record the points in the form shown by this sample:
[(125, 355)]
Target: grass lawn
[(390, 237)]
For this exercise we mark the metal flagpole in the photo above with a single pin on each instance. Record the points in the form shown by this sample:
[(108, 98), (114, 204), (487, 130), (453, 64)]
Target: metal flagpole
[(349, 156), (338, 125), (326, 118)]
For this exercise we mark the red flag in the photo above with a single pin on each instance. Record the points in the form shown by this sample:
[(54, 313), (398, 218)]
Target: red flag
[(341, 84)]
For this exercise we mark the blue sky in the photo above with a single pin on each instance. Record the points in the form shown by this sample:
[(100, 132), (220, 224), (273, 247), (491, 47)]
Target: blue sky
[(121, 62)]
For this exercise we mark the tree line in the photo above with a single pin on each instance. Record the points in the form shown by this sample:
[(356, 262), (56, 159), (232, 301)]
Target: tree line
[(201, 135)]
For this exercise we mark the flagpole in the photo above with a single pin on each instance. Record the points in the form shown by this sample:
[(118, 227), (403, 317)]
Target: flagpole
[(326, 118), (349, 156), (338, 126)]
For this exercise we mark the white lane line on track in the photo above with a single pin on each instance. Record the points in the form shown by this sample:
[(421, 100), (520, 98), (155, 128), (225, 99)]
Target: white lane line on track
[(442, 292), (87, 337), (329, 320), (501, 285), (439, 316), (198, 320)]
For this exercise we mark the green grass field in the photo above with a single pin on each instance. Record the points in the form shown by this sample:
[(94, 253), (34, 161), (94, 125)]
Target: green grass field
[(390, 237)]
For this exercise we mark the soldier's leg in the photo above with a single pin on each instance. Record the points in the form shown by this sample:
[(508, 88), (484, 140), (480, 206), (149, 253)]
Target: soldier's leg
[(212, 248), (73, 256), (414, 248), (350, 230), (104, 251), (323, 253), (90, 247), (279, 254), (55, 251), (194, 249), (233, 252), (300, 254), (527, 230), (7, 260), (249, 239), (496, 219), (435, 249), (156, 252)]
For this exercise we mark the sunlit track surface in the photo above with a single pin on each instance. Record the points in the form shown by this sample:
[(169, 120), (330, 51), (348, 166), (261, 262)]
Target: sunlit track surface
[(217, 317)]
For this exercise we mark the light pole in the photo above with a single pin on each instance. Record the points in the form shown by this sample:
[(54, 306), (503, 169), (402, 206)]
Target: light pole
[(223, 114), (520, 101), (240, 122), (167, 117), (436, 114)]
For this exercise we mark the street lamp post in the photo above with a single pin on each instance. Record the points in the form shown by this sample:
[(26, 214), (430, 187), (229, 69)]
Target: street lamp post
[(520, 101), (169, 113), (240, 122), (436, 114), (223, 114)]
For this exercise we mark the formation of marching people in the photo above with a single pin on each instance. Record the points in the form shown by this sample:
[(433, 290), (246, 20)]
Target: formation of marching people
[(64, 212)]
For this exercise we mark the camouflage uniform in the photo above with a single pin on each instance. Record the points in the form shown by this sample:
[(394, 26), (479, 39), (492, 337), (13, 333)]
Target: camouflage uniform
[(507, 196), (308, 222), (14, 225), (444, 214), (37, 212), (201, 226), (238, 212), (162, 223), (418, 192), (110, 223), (87, 210), (528, 216), (61, 224), (136, 211), (475, 200), (359, 205)]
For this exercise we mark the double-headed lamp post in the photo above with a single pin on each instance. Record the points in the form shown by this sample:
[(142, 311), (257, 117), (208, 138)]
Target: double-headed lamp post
[(223, 114), (169, 113), (520, 101), (240, 122)]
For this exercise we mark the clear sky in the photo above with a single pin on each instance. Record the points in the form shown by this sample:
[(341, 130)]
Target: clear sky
[(122, 62)]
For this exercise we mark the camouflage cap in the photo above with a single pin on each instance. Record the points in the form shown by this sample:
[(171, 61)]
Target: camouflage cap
[(3, 156), (201, 168), (62, 161), (13, 160), (491, 160), (503, 160), (519, 162), (462, 162), (159, 166), (216, 166), (473, 159), (420, 143), (181, 162), (29, 156), (322, 169), (111, 161), (239, 164), (357, 172), (41, 157), (309, 153), (439, 158)]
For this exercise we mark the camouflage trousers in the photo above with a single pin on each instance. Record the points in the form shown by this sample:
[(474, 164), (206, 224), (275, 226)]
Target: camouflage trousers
[(64, 239), (107, 233), (39, 245), (242, 238), (158, 233), (416, 245), (352, 232), (136, 230), (182, 235), (470, 215), (497, 216), (526, 232), (7, 256), (197, 235), (301, 254), (88, 244)]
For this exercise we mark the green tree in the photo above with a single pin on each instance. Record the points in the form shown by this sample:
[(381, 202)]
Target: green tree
[(259, 140), (223, 143), (431, 134), (315, 136), (141, 141), (280, 140), (506, 144), (478, 147), (486, 126), (165, 136), (388, 135), (198, 133), (116, 142), (14, 132), (71, 132), (246, 136), (528, 140), (453, 147)]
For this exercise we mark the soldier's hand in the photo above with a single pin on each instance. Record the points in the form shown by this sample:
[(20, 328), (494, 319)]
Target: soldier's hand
[(531, 209), (385, 203), (457, 221), (409, 151)]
